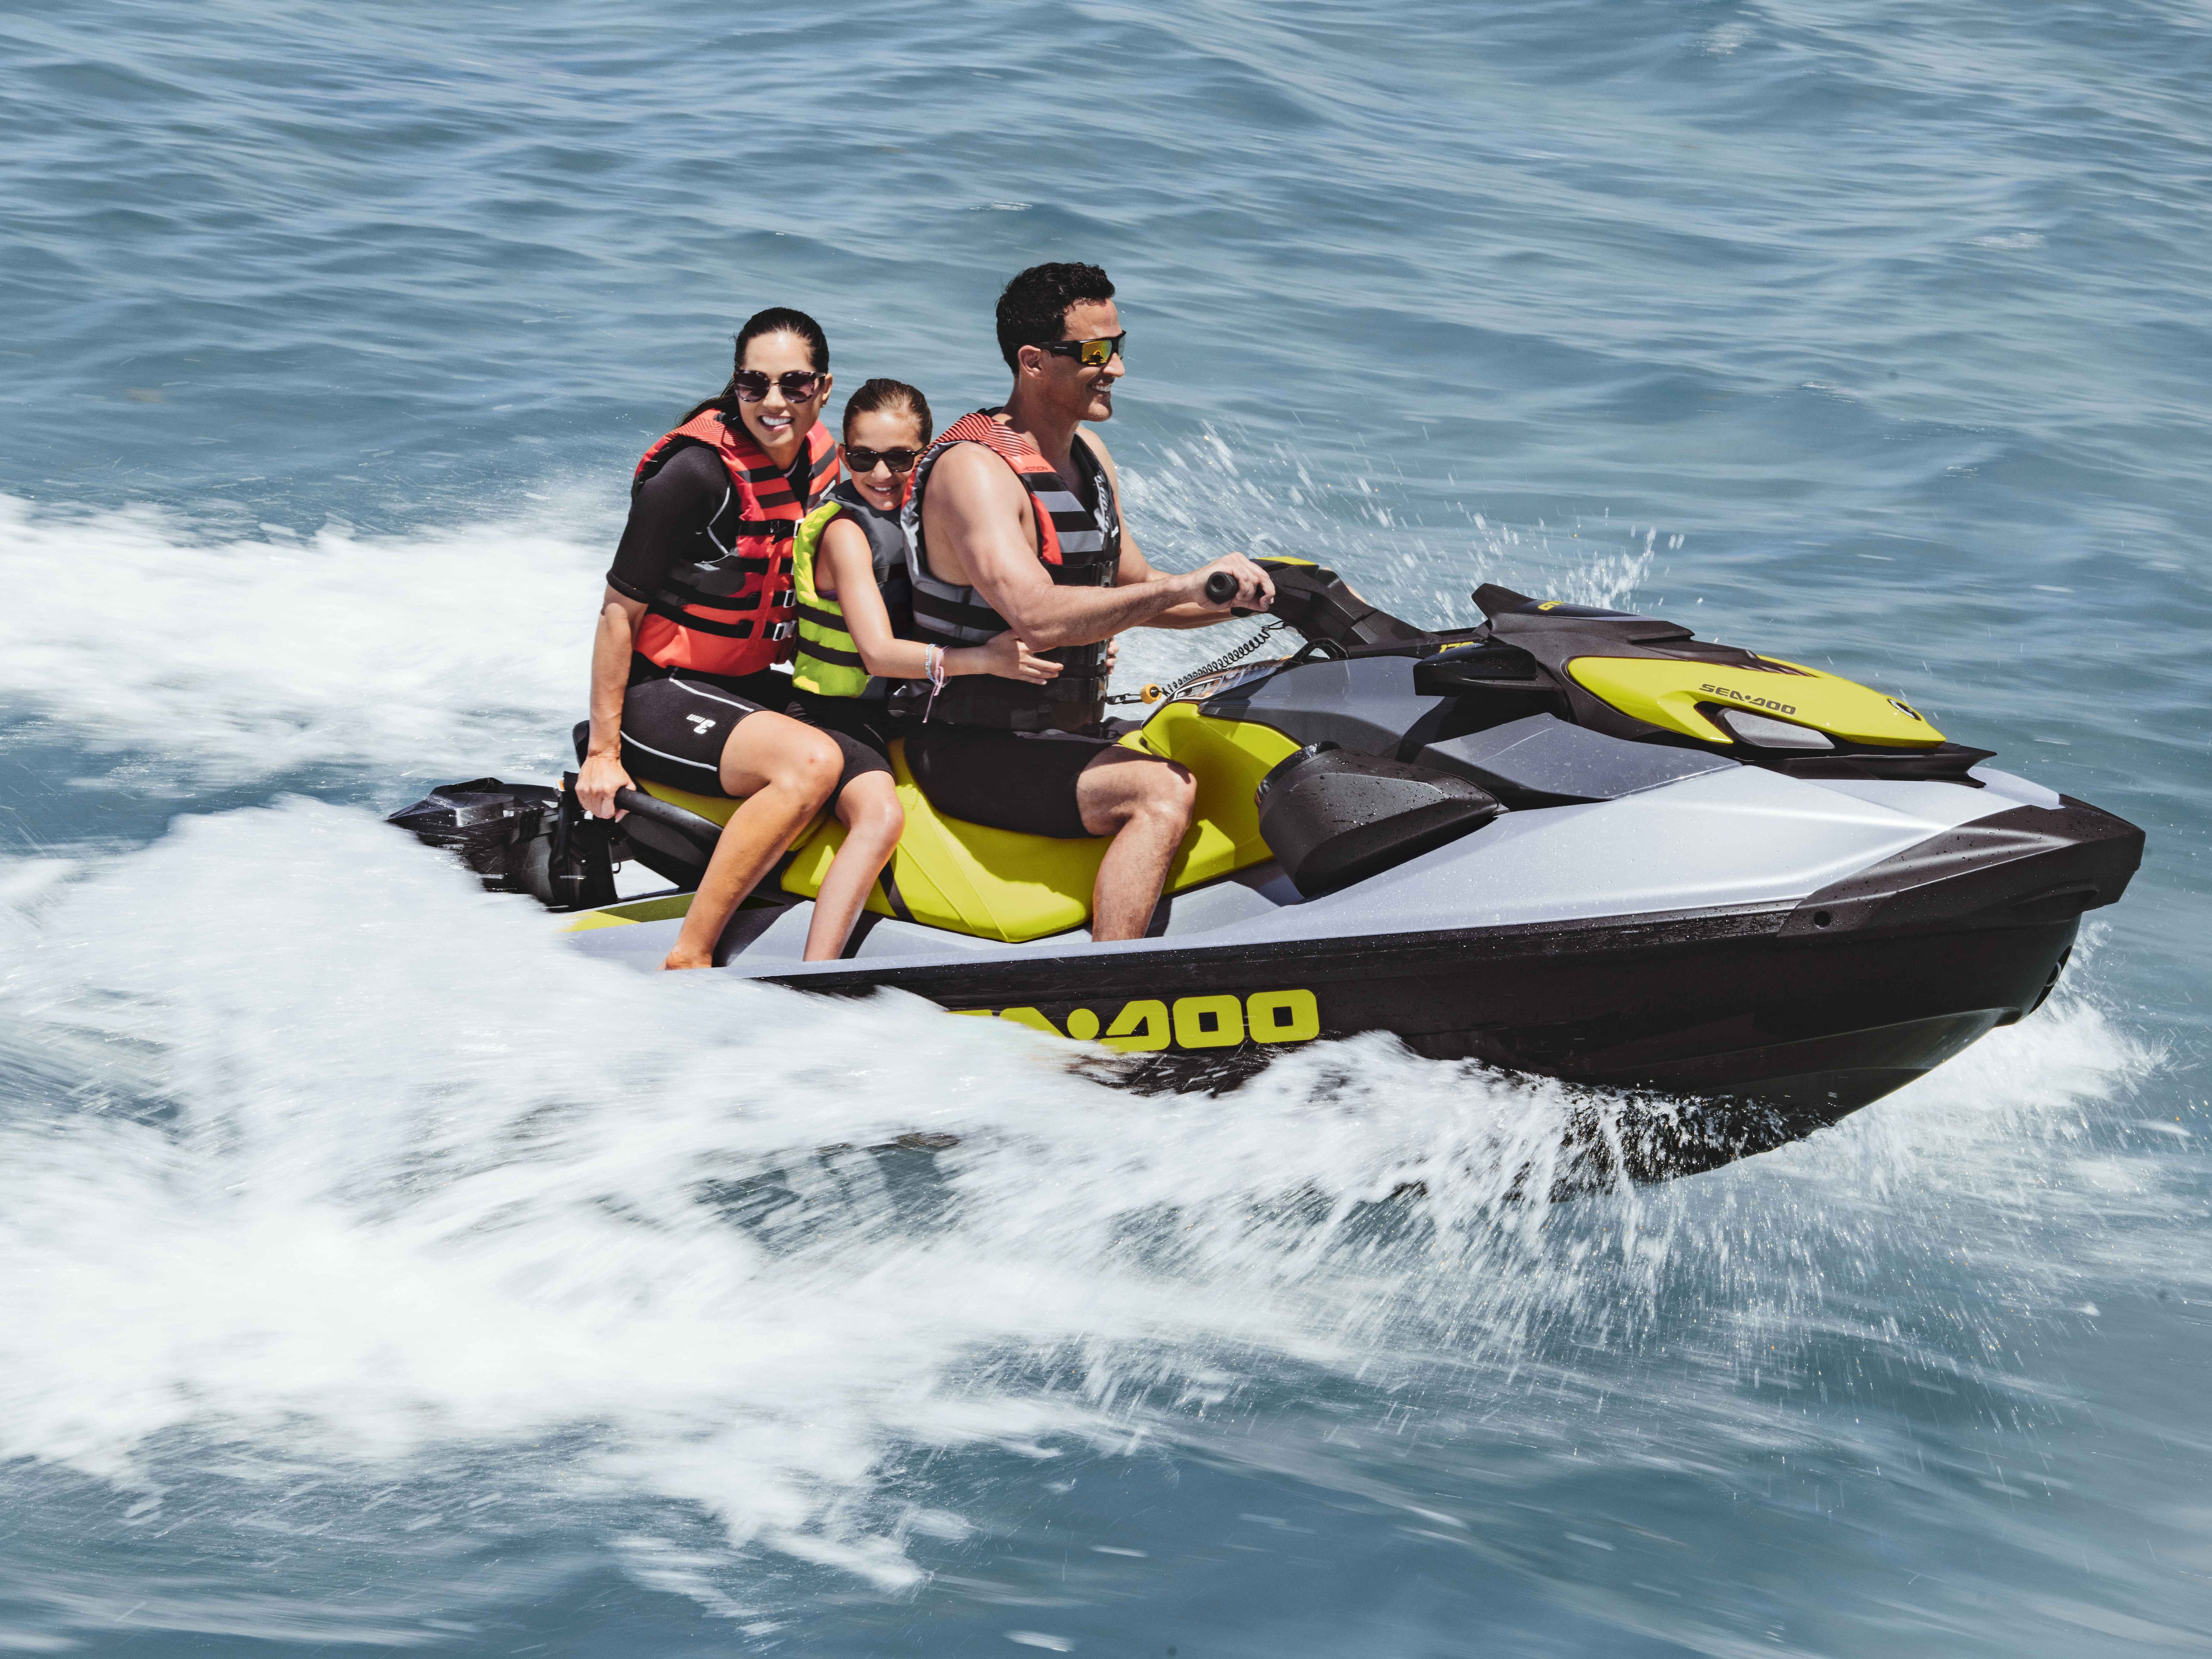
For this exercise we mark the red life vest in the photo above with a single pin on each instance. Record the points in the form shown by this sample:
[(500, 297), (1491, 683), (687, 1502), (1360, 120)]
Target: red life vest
[(734, 613), (1077, 547)]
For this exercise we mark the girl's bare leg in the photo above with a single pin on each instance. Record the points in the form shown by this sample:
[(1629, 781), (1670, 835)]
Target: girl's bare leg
[(873, 819), (784, 769)]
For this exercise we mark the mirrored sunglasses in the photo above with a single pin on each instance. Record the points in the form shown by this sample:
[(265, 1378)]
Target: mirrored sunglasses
[(1092, 354)]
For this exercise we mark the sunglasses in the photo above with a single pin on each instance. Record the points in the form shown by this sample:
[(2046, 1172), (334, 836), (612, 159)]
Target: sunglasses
[(751, 384), (864, 461), (1092, 354)]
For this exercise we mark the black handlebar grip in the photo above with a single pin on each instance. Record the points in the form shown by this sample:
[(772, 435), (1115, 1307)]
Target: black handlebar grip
[(1221, 587), (702, 833)]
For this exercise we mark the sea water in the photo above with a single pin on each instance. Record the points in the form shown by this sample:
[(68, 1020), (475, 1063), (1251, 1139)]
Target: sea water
[(376, 1274)]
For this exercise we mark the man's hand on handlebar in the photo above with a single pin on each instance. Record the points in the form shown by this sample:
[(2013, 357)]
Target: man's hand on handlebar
[(1212, 588), (596, 783)]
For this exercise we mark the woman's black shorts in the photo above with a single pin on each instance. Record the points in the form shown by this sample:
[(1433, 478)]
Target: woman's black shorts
[(674, 730)]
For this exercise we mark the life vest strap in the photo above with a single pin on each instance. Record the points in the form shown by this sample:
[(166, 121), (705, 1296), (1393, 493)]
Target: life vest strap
[(722, 631), (947, 615), (817, 651)]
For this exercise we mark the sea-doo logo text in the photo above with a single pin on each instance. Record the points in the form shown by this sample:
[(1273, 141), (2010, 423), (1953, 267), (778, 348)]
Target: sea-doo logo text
[(1223, 1021), (1755, 702)]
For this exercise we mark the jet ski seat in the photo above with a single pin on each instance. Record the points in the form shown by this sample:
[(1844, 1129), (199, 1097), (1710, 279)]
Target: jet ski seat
[(999, 885)]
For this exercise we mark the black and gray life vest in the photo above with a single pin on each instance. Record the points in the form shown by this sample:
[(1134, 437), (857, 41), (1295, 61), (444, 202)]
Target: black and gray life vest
[(1078, 547)]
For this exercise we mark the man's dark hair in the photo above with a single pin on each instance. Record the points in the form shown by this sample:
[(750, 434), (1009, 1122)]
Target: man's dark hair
[(1033, 311)]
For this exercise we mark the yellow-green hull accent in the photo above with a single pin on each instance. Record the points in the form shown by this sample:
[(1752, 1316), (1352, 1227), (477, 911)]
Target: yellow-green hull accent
[(667, 908), (1665, 692)]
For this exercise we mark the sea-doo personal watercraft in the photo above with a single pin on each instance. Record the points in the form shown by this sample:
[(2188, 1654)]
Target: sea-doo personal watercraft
[(1568, 842)]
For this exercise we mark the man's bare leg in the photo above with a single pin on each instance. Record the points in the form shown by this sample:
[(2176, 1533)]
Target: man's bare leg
[(785, 770), (1145, 804)]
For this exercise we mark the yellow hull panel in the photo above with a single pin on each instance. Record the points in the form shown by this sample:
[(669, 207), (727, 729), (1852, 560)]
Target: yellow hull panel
[(999, 885)]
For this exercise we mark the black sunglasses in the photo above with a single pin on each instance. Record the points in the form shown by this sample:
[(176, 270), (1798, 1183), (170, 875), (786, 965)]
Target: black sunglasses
[(864, 460), (751, 384), (1092, 354)]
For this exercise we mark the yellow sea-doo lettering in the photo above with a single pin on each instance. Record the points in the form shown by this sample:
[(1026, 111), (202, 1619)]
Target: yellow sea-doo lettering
[(1149, 1024)]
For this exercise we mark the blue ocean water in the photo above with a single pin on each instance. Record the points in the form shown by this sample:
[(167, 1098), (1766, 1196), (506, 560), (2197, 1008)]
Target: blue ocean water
[(374, 1274)]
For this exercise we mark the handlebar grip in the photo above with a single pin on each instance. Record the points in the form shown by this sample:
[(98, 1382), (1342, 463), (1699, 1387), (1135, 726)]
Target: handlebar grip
[(702, 833), (1220, 587)]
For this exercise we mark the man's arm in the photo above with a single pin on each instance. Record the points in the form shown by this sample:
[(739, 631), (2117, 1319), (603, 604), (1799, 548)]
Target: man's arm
[(1135, 569), (844, 559), (976, 519)]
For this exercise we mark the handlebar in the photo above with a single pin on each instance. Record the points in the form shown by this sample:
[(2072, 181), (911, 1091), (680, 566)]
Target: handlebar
[(702, 833)]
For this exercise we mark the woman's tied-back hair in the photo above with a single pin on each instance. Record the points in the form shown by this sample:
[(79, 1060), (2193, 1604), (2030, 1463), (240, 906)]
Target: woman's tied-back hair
[(777, 319), (1033, 310), (881, 396)]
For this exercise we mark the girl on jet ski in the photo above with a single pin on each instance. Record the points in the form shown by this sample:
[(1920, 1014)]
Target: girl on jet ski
[(699, 602), (854, 600)]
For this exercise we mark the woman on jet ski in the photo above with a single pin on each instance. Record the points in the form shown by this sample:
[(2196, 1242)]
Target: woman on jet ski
[(698, 604)]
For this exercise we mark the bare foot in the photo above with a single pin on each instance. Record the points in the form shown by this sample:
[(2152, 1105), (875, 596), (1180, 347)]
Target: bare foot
[(680, 958)]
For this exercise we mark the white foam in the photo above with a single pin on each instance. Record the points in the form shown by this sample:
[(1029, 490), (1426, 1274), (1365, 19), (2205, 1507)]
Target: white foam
[(425, 1178), (228, 658)]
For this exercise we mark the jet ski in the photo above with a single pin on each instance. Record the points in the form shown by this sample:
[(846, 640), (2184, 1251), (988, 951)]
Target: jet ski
[(1736, 897)]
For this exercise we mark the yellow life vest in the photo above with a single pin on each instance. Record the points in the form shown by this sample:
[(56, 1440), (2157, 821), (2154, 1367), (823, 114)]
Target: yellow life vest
[(827, 660)]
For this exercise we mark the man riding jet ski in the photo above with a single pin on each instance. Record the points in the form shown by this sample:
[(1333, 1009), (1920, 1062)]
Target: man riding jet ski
[(1568, 842)]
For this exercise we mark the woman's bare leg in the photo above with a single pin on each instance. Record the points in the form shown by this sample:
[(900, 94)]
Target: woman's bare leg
[(873, 819), (785, 770)]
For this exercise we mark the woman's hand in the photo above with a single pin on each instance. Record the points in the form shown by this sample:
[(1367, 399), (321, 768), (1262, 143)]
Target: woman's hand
[(596, 783), (1009, 658), (1113, 653)]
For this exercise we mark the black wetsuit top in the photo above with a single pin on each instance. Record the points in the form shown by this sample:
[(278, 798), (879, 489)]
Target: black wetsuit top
[(688, 502)]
